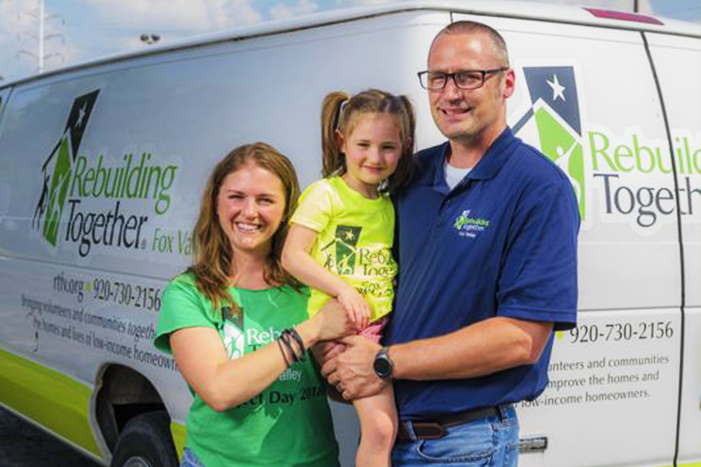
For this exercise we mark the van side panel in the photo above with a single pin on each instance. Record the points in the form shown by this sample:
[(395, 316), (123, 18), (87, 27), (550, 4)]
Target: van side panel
[(585, 96), (682, 97), (110, 164)]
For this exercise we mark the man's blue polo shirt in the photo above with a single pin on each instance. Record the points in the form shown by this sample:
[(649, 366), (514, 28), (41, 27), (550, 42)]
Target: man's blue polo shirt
[(503, 242)]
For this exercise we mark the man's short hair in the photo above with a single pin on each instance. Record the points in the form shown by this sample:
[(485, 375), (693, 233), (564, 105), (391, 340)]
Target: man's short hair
[(471, 27)]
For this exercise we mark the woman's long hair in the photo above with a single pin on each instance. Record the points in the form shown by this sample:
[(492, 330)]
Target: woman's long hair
[(213, 256)]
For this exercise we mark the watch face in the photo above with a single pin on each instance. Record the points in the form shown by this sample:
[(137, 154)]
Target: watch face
[(382, 366)]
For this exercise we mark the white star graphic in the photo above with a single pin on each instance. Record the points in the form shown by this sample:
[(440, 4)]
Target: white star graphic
[(558, 89), (81, 115)]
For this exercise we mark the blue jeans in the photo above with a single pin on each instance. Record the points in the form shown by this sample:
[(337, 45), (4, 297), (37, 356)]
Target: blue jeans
[(492, 442), (190, 459)]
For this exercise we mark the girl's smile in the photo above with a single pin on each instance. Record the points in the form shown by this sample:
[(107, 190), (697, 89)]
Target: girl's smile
[(372, 151)]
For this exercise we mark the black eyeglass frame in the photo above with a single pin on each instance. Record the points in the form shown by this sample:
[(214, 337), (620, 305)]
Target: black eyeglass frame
[(485, 74)]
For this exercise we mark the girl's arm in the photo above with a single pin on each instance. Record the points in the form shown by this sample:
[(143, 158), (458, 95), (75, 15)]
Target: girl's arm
[(223, 383), (298, 262)]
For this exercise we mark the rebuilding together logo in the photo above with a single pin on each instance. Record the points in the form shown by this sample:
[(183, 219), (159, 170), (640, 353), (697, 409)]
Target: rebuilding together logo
[(69, 178), (631, 172)]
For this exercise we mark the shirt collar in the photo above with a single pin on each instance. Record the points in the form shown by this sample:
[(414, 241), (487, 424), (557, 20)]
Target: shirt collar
[(494, 158), (487, 168)]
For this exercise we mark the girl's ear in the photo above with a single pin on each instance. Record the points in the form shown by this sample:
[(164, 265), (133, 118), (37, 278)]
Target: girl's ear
[(339, 139)]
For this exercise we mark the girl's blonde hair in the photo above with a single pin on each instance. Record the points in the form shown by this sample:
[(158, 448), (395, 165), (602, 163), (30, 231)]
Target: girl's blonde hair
[(340, 111), (213, 255)]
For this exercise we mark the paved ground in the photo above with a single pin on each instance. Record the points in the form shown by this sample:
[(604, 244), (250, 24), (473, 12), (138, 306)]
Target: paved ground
[(23, 445)]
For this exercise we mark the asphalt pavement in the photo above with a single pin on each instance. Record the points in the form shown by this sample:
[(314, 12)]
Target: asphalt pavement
[(24, 445)]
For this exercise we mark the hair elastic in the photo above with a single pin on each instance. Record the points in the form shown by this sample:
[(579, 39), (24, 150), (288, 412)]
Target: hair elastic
[(341, 109)]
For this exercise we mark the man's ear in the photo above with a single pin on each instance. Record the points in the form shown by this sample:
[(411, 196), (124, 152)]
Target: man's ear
[(509, 83)]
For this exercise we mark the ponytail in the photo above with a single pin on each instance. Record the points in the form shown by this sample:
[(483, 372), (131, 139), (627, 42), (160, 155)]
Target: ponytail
[(333, 161)]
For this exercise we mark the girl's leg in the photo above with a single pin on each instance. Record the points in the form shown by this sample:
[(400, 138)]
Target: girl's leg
[(378, 428)]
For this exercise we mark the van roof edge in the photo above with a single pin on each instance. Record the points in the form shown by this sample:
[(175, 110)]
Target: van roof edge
[(567, 14)]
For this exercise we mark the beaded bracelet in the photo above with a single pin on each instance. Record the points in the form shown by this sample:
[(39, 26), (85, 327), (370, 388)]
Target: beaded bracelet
[(284, 354), (285, 339), (295, 335), (287, 336)]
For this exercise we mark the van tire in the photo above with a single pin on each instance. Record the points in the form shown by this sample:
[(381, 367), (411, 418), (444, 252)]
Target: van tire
[(146, 441)]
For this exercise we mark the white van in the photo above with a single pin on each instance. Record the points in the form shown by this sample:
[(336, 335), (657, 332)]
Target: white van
[(102, 166)]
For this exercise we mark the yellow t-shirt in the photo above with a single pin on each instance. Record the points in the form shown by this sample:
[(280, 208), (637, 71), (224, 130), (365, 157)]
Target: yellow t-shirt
[(354, 241)]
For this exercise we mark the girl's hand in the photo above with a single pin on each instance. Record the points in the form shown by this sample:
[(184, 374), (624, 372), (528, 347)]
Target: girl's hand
[(332, 322), (356, 307)]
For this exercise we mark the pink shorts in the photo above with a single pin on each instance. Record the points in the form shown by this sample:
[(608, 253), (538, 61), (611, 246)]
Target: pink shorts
[(374, 330)]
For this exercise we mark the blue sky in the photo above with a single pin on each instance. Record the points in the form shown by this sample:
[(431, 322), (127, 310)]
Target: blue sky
[(80, 30)]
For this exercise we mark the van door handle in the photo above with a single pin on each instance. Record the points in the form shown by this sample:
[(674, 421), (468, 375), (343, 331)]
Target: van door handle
[(535, 444)]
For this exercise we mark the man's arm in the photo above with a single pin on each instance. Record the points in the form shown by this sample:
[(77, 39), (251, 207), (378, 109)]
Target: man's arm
[(480, 349)]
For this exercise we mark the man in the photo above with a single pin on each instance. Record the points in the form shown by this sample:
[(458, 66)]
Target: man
[(487, 255)]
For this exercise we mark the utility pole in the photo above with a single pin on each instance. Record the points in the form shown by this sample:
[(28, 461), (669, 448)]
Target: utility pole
[(42, 37)]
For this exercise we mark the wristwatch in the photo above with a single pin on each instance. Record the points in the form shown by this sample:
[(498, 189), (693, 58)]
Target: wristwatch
[(383, 365)]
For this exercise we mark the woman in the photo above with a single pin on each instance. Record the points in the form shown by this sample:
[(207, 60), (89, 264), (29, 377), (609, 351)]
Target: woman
[(234, 321)]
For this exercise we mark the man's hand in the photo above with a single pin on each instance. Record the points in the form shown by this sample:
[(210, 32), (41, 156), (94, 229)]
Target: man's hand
[(351, 371)]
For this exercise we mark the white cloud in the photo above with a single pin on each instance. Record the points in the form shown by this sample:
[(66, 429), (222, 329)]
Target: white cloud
[(184, 15), (9, 25), (172, 20), (288, 10)]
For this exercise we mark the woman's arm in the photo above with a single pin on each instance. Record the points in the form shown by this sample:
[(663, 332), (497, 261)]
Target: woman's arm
[(224, 383), (298, 262)]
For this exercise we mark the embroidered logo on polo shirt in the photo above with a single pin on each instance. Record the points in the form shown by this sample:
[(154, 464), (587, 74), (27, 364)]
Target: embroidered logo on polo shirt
[(470, 226)]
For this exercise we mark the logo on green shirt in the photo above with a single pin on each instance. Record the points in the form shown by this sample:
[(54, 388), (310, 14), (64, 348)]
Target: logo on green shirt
[(231, 332)]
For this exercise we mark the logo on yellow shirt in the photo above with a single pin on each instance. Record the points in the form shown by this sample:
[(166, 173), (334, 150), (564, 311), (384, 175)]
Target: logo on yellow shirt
[(345, 241)]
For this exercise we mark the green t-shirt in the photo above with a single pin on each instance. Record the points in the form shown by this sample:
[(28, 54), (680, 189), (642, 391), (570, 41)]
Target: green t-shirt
[(354, 241), (289, 423)]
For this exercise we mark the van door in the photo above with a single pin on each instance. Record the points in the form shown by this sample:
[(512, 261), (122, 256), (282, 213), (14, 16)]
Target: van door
[(4, 95), (4, 176), (677, 61), (586, 97)]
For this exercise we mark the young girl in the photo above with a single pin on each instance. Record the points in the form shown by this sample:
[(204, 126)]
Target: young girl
[(341, 235)]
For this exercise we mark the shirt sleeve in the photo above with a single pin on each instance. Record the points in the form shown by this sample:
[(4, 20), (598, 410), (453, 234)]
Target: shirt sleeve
[(182, 307), (538, 280), (315, 207)]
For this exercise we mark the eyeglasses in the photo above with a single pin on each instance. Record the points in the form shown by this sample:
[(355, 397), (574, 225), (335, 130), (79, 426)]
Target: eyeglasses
[(465, 79)]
